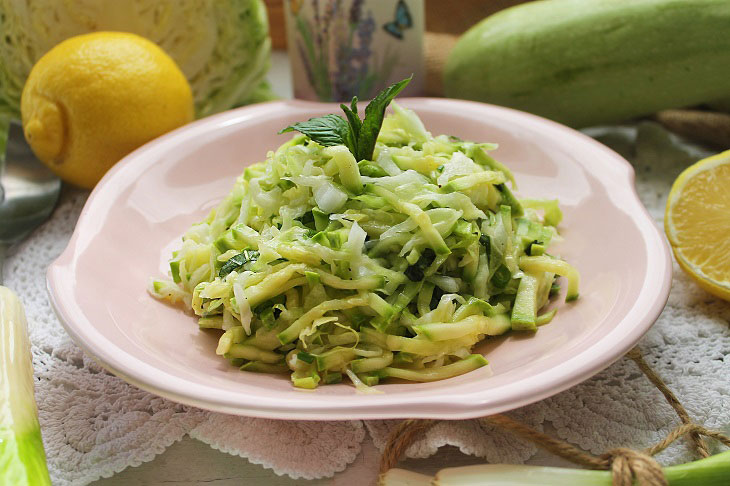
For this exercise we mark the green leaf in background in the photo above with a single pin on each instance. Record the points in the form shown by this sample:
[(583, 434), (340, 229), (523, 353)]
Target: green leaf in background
[(223, 47)]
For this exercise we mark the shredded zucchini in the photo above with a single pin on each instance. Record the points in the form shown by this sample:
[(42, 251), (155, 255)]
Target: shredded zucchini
[(328, 266)]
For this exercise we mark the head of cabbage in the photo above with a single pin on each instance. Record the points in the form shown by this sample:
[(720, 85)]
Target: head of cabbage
[(222, 46)]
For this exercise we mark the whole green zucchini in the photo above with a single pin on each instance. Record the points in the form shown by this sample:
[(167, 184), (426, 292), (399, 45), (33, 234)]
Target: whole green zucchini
[(586, 62)]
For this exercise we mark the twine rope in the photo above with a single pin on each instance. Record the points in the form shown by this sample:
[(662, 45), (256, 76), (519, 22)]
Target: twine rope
[(671, 398), (626, 465)]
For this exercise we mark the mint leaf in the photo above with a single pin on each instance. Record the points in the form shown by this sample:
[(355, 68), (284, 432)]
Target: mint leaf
[(374, 114), (237, 261), (359, 136), (353, 118), (326, 130)]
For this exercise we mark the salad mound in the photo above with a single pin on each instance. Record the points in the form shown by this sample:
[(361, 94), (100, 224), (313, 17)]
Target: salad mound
[(368, 249)]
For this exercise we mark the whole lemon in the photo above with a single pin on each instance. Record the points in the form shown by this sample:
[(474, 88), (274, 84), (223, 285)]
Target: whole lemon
[(94, 98)]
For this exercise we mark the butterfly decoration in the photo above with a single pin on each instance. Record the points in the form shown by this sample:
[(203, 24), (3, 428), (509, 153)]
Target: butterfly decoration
[(402, 21)]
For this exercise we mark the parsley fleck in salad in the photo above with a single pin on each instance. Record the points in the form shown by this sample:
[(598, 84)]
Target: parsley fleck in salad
[(369, 249)]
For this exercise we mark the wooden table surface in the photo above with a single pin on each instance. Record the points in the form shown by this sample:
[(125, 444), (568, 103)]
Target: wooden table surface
[(192, 463)]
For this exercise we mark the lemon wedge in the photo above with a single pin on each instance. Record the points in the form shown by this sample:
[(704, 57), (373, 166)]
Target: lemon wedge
[(697, 223)]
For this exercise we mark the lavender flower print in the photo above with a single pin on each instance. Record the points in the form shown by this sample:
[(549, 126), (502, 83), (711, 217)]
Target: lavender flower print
[(343, 38)]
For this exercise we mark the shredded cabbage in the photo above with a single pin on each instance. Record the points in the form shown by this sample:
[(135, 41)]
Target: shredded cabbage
[(328, 267)]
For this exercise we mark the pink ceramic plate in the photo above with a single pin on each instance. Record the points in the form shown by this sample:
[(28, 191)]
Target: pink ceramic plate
[(137, 213)]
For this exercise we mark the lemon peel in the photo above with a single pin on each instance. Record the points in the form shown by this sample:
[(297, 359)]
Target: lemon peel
[(697, 223), (94, 98)]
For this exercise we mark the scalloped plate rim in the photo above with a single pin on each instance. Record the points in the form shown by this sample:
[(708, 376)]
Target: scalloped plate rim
[(650, 301)]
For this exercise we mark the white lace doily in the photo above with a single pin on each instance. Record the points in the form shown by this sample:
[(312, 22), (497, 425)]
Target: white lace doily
[(95, 424)]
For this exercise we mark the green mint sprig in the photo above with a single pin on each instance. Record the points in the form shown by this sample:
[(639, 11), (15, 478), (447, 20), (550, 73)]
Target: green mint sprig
[(357, 135)]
